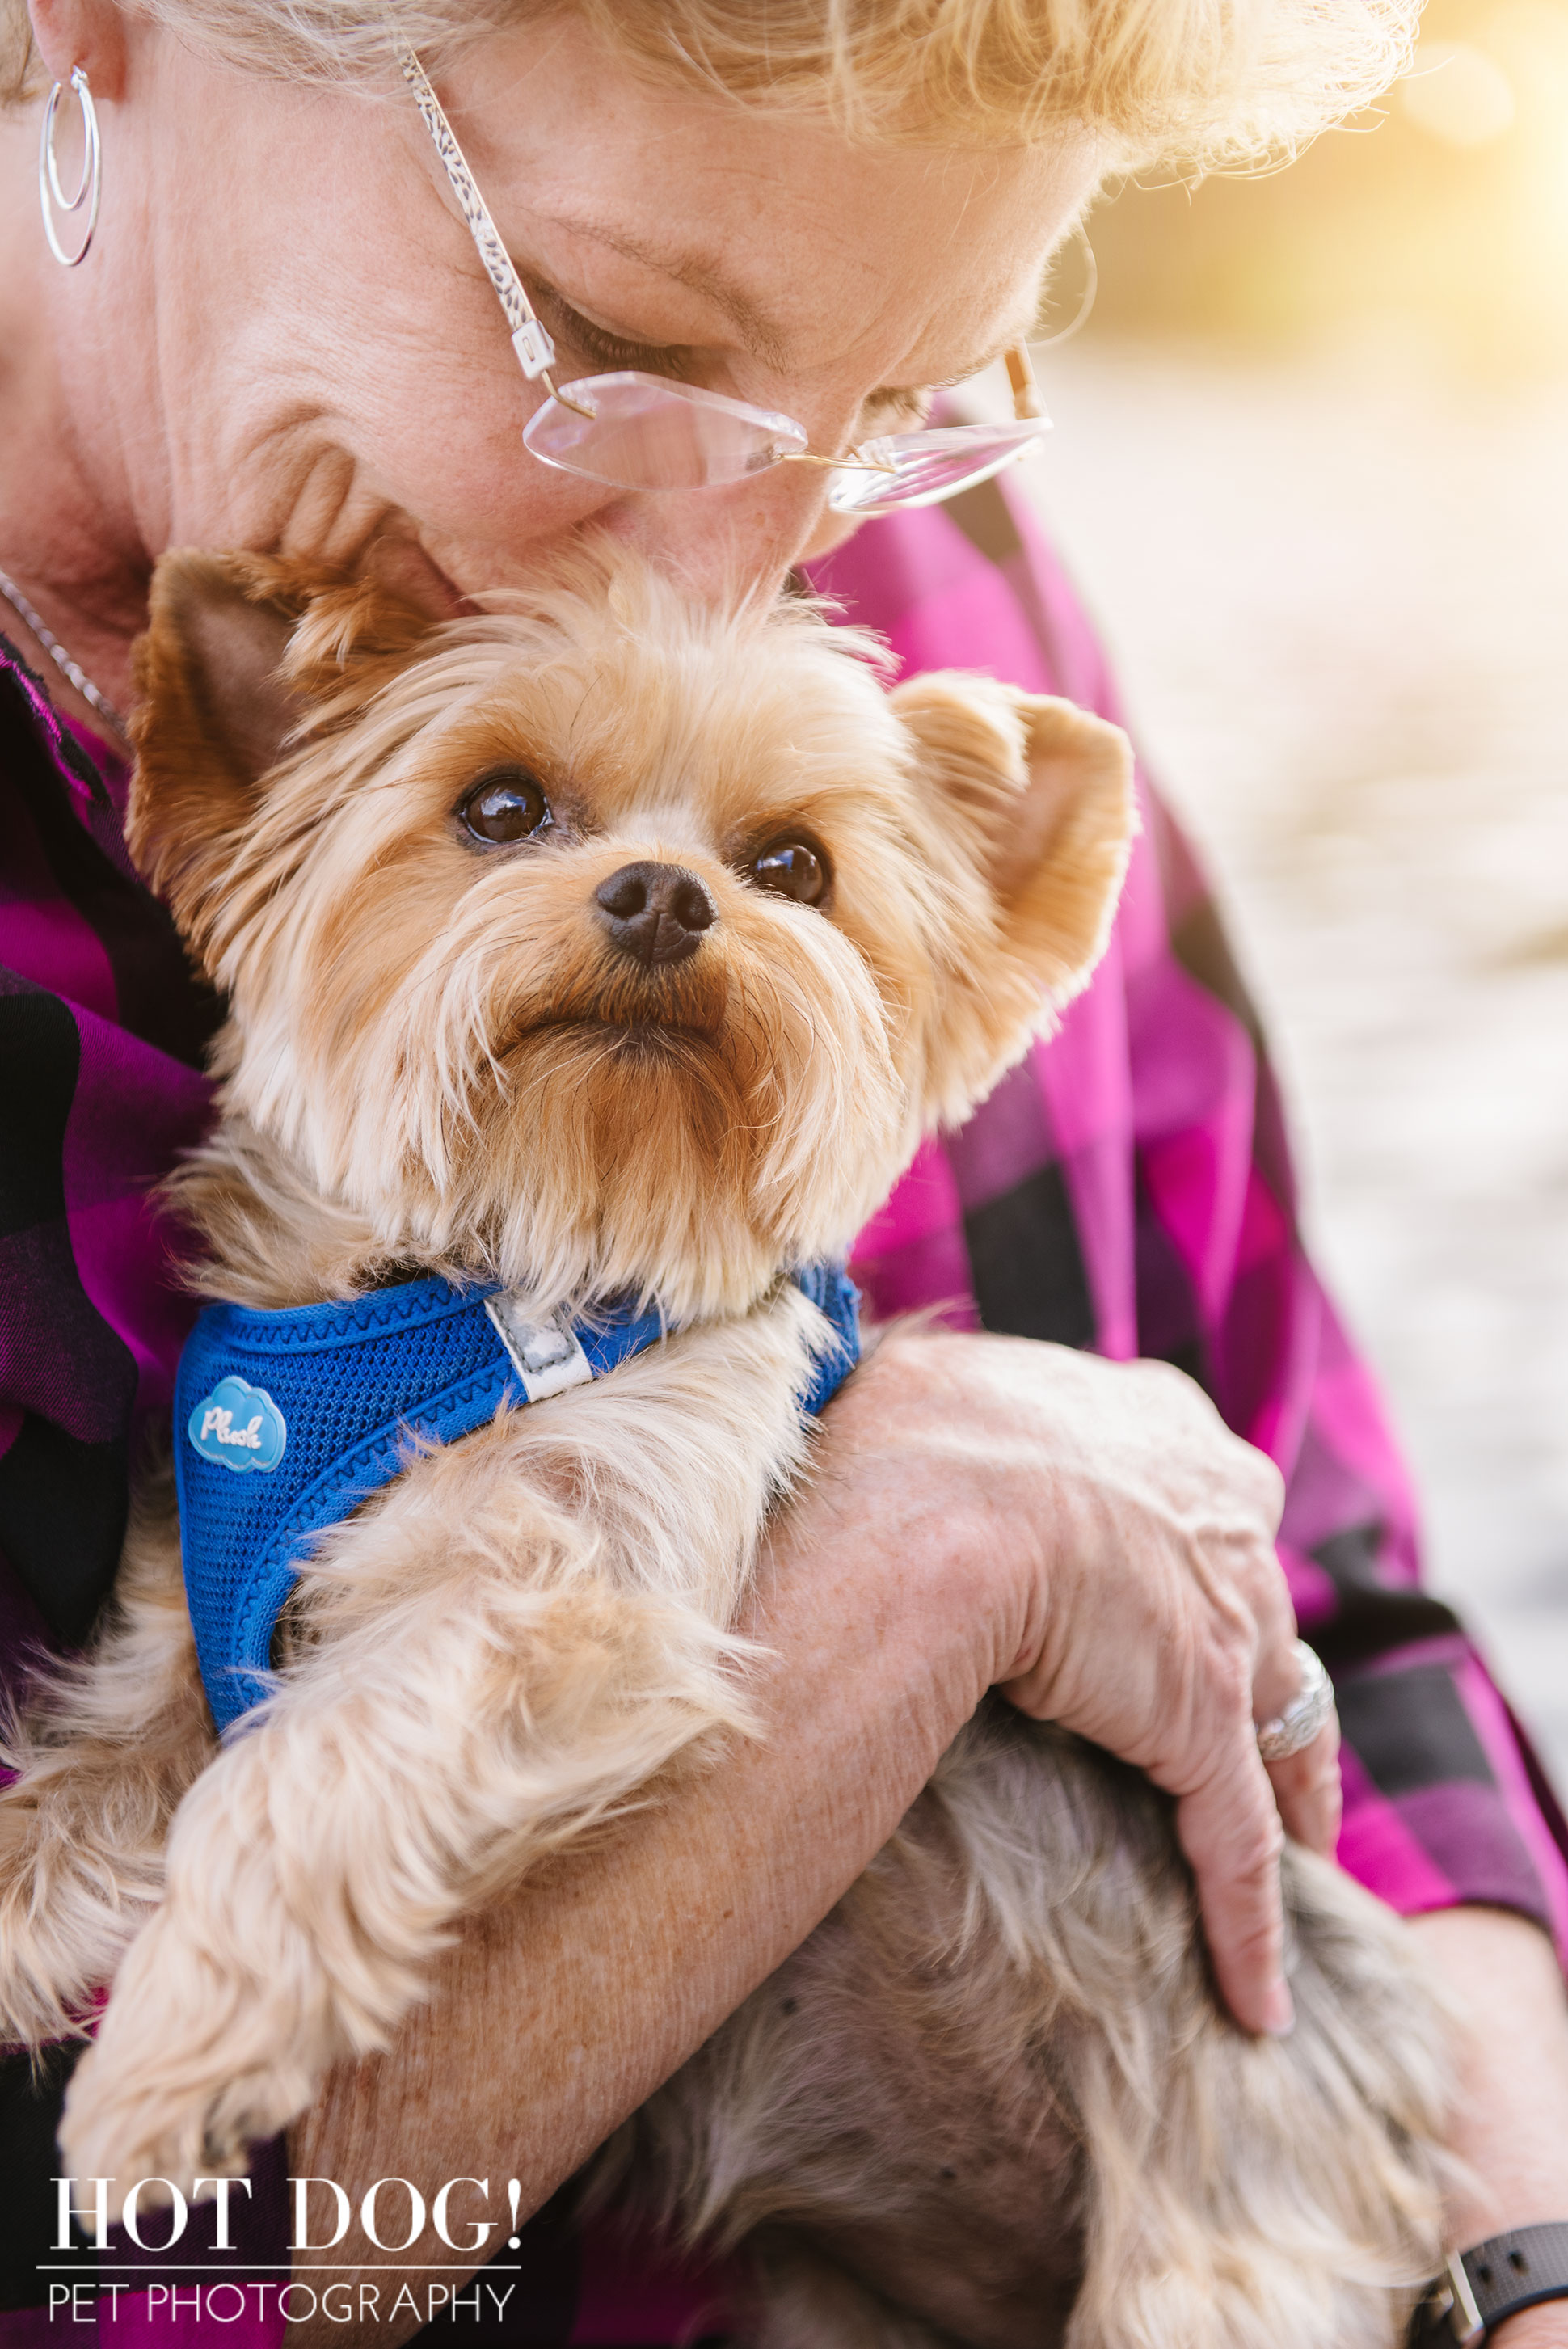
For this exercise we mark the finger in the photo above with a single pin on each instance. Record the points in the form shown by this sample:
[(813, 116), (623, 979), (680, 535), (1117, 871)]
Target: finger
[(1230, 1829), (1276, 1666), (1309, 1791), (1260, 1478)]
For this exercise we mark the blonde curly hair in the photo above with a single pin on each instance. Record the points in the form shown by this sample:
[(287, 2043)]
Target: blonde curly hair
[(1186, 83)]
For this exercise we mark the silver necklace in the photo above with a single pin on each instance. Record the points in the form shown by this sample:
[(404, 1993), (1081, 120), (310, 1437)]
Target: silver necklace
[(62, 660)]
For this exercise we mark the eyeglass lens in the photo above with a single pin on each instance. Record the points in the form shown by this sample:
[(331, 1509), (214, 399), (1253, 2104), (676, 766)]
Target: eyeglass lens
[(930, 465), (647, 434)]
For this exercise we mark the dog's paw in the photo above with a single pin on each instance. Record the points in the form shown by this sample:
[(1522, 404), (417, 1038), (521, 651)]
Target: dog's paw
[(172, 2113), (191, 2066), (128, 2125), (29, 1998), (59, 1934)]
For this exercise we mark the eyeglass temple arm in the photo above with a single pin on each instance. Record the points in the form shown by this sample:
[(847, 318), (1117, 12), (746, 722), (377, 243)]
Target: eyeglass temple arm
[(529, 336), (1027, 402)]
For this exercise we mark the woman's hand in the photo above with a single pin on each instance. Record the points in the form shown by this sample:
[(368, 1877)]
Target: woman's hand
[(1128, 1538)]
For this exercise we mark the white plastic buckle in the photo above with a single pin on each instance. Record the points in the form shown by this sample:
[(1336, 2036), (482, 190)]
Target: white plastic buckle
[(534, 349), (545, 1355), (1462, 2316)]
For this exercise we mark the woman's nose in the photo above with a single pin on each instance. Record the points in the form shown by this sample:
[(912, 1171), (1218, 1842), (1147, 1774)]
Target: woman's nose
[(719, 542)]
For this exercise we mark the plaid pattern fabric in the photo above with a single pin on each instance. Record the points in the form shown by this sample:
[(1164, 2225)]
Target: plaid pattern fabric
[(1128, 1188), (101, 1038)]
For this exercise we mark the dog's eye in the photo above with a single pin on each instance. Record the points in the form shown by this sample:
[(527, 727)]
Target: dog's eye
[(507, 805), (791, 869)]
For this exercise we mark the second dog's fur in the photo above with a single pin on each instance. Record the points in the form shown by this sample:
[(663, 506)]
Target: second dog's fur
[(992, 2098)]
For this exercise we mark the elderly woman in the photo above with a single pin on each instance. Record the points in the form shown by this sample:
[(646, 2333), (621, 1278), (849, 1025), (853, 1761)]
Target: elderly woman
[(281, 334)]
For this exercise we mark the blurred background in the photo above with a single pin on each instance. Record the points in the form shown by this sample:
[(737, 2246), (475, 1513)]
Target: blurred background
[(1311, 469)]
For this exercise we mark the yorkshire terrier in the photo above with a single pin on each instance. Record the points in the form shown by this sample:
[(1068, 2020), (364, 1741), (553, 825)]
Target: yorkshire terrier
[(593, 966)]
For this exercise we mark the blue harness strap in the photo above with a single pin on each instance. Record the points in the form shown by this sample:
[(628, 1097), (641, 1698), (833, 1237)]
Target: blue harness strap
[(286, 1422)]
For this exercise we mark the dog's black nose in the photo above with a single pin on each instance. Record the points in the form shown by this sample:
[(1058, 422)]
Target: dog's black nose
[(655, 913)]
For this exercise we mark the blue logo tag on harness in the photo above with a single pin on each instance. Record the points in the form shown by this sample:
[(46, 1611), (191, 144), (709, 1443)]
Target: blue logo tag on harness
[(239, 1426)]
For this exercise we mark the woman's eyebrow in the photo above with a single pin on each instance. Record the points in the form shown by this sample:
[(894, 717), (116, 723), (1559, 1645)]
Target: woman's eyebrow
[(760, 334), (1018, 330)]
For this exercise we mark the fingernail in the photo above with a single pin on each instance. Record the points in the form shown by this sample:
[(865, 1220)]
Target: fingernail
[(1279, 2011)]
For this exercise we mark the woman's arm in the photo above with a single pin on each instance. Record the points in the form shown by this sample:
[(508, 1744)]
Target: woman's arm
[(1158, 1091), (1511, 2129), (984, 1510)]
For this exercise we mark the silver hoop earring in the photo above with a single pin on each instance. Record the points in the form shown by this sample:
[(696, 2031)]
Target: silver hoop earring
[(52, 196)]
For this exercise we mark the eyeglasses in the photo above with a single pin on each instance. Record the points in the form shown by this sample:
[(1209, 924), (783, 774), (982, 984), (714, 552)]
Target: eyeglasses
[(637, 431)]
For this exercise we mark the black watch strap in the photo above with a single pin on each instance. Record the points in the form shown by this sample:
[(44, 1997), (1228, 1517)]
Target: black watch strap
[(1492, 2280)]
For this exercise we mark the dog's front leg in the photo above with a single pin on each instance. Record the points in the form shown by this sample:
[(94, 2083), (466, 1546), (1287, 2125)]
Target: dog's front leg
[(475, 1684), (102, 1753)]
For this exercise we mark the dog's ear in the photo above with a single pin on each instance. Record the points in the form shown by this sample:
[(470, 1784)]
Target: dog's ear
[(1040, 795), (242, 653)]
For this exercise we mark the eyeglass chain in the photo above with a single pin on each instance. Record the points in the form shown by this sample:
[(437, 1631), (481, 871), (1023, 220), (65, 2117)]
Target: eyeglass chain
[(63, 661)]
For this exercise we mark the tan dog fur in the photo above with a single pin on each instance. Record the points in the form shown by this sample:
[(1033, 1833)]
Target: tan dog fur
[(434, 1062)]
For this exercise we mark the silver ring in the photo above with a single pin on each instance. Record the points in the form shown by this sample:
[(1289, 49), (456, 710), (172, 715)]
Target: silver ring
[(52, 196), (1305, 1716)]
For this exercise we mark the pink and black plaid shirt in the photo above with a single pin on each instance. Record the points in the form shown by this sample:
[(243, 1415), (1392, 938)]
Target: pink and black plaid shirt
[(1128, 1188)]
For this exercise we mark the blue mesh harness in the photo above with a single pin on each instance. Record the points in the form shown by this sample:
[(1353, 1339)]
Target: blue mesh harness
[(286, 1422)]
